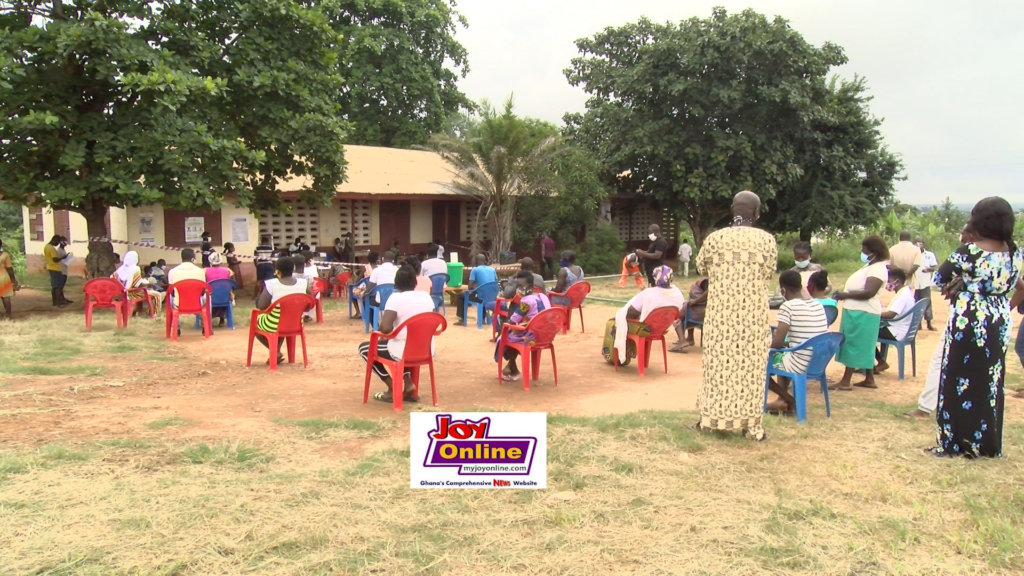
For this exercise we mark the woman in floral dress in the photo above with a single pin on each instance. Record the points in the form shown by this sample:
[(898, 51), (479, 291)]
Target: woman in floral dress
[(970, 412)]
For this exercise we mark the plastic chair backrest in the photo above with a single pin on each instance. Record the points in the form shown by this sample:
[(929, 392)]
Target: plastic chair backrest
[(546, 325), (916, 314), (437, 284), (383, 292), (320, 286), (221, 291), (661, 319), (420, 330), (343, 278), (825, 347), (831, 313), (487, 292), (190, 293), (577, 293), (292, 307), (104, 290)]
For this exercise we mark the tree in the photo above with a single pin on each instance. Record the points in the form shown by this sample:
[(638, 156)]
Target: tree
[(501, 159), (128, 103), (688, 114), (395, 57)]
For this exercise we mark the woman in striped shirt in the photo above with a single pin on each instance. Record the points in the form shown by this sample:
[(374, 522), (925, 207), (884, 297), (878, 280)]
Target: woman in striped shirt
[(275, 289), (799, 319)]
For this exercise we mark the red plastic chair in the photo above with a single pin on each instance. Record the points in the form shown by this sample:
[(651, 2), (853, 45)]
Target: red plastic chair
[(104, 293), (289, 325), (323, 288), (545, 326), (193, 298), (659, 321), (576, 294), (421, 330), (340, 284), (503, 313)]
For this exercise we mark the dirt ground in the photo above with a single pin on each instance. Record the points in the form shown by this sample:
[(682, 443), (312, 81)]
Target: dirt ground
[(207, 384)]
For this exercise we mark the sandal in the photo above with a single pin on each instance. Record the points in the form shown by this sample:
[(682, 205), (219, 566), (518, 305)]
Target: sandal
[(511, 377), (280, 360), (678, 350), (841, 388), (866, 385)]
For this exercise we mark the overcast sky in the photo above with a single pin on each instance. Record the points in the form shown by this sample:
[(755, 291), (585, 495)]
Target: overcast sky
[(947, 76)]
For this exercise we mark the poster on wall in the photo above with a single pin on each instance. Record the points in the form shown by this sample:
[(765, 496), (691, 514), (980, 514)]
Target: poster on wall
[(145, 223), (604, 215), (194, 227), (148, 240), (239, 229)]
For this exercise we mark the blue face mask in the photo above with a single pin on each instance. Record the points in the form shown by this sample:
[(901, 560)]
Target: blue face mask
[(803, 263), (563, 263), (864, 258)]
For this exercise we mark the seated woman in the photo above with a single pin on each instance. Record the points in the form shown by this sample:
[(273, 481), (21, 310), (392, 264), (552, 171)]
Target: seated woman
[(530, 304), (154, 289), (799, 319), (819, 288), (902, 303), (403, 304), (696, 306), (359, 291), (217, 271), (130, 275), (274, 289), (662, 294), (423, 283), (568, 275)]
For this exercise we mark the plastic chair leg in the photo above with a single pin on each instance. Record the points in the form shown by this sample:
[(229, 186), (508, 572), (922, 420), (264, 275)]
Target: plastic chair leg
[(370, 359), (641, 354), (664, 353), (248, 358), (900, 358), (272, 348), (824, 390), (305, 360), (583, 327), (433, 384), (231, 316), (526, 370), (554, 365), (913, 358), (398, 386), (800, 393), (501, 360), (535, 363)]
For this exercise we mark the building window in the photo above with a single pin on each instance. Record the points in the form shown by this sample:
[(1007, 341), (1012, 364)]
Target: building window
[(36, 230), (470, 209), (283, 227), (62, 224)]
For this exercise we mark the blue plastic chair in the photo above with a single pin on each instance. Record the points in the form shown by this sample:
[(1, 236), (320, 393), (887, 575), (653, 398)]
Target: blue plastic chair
[(382, 293), (824, 347), (689, 322), (487, 294), (831, 314), (352, 297), (221, 297), (916, 314), (437, 284)]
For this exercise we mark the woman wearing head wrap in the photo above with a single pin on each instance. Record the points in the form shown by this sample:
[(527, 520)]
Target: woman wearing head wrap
[(130, 276), (662, 294)]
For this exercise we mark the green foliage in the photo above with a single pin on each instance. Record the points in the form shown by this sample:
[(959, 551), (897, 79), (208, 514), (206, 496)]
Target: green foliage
[(401, 63), (691, 113), (173, 103), (601, 252)]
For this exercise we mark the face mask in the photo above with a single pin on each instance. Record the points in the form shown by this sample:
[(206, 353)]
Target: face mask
[(563, 263), (864, 258), (653, 237), (891, 286), (525, 290), (803, 263)]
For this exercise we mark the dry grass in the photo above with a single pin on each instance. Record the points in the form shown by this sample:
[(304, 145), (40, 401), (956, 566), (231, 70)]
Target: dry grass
[(850, 495)]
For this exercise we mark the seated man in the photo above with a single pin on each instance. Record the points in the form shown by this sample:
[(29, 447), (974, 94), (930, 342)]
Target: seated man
[(662, 294), (799, 319), (508, 289), (695, 306), (433, 264), (383, 274), (530, 304), (902, 303), (481, 274)]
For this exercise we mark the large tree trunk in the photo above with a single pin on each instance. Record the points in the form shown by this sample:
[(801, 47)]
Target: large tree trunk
[(100, 263)]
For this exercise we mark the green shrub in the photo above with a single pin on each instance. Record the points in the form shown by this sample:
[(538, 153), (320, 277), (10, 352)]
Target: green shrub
[(601, 252)]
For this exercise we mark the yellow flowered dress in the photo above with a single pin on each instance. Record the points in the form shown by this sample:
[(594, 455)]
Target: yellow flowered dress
[(739, 262)]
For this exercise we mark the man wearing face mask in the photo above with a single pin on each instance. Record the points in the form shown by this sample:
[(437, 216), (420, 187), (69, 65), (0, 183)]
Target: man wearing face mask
[(654, 257), (804, 267)]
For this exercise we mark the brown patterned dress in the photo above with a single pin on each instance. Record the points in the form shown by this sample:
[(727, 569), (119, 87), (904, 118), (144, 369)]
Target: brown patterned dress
[(739, 263)]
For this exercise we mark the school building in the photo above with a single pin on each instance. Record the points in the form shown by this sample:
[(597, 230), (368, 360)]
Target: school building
[(390, 195)]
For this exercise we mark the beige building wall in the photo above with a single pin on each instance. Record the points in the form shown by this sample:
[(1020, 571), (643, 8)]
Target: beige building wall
[(135, 234), (421, 225), (374, 222), (330, 225)]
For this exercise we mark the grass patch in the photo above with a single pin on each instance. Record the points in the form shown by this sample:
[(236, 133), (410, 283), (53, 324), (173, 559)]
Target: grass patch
[(126, 443), (225, 453), (51, 369), (168, 422), (664, 427), (58, 453), (319, 426), (159, 358)]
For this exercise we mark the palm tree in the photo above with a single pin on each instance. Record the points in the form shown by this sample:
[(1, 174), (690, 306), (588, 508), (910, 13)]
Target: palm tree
[(497, 160)]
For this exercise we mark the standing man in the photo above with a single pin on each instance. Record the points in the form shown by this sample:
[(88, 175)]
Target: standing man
[(206, 248), (547, 253), (52, 258), (65, 258), (907, 257), (925, 280), (685, 253), (738, 262), (654, 257)]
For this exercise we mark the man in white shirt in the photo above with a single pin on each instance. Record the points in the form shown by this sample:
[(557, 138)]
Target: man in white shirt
[(925, 280), (900, 305), (187, 270), (383, 274), (685, 254), (433, 264)]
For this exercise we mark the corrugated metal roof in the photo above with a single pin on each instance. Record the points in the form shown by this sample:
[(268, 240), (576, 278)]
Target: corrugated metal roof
[(381, 171)]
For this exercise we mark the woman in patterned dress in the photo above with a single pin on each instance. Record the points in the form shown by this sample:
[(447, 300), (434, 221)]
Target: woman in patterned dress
[(970, 413), (739, 262)]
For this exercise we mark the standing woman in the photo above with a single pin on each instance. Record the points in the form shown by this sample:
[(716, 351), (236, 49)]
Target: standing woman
[(234, 264), (862, 313), (8, 283), (970, 411)]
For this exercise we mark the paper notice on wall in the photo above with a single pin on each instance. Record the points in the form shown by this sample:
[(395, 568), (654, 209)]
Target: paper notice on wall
[(239, 229), (147, 240), (194, 227), (145, 222)]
